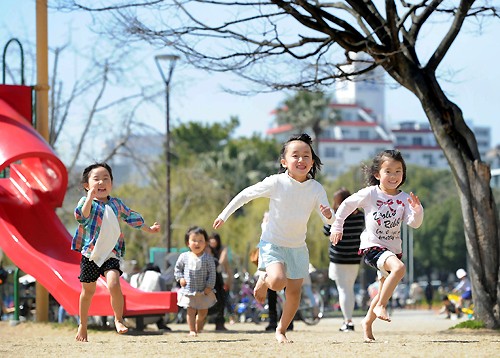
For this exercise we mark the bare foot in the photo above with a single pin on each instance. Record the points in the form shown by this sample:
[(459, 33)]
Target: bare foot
[(281, 337), (81, 334), (367, 332), (120, 326), (260, 290), (381, 313)]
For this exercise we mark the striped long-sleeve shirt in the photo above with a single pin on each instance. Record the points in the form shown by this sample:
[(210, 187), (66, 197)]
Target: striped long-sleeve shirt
[(346, 251)]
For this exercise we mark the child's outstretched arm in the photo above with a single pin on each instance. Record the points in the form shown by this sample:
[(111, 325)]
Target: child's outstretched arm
[(87, 206), (218, 223), (260, 190), (335, 237), (326, 211), (345, 209), (416, 215), (179, 270), (152, 229), (414, 201)]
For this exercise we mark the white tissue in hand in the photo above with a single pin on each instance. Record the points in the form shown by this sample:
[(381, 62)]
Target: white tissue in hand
[(108, 236)]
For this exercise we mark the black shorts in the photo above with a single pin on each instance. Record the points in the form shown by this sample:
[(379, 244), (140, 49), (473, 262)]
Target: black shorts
[(90, 272), (372, 254)]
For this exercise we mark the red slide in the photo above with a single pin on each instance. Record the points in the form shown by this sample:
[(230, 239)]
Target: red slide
[(31, 234)]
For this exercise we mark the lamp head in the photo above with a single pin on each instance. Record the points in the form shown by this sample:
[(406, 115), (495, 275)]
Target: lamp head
[(167, 57), (170, 59)]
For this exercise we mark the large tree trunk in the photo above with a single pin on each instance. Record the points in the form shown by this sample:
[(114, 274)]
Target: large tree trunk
[(472, 178)]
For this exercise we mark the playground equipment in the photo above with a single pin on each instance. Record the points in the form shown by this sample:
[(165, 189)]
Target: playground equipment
[(33, 183)]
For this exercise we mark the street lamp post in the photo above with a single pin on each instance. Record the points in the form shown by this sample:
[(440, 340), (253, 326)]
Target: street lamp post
[(170, 61)]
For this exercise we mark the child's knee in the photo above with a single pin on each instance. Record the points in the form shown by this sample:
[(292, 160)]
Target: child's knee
[(276, 283), (114, 287), (202, 313), (395, 266), (399, 269), (88, 289)]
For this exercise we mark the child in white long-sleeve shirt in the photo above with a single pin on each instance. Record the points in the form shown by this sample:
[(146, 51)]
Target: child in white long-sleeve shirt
[(386, 208), (293, 195)]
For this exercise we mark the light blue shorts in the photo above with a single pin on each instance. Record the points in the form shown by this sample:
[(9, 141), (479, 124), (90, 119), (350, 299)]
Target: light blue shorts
[(295, 260)]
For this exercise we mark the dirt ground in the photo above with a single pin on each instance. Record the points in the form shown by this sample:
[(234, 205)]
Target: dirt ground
[(412, 333)]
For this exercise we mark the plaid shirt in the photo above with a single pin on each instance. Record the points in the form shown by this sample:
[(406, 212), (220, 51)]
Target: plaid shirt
[(199, 272), (88, 229)]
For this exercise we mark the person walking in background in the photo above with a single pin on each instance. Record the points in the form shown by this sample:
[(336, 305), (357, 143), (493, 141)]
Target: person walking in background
[(344, 258), (429, 294), (222, 287), (101, 242), (195, 272), (385, 208), (416, 294), (294, 195)]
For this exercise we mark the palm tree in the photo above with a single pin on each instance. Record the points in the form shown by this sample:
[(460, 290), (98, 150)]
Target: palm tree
[(307, 110)]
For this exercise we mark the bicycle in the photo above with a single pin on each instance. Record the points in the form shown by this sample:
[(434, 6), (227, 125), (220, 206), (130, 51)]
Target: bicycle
[(249, 310), (307, 312), (467, 309)]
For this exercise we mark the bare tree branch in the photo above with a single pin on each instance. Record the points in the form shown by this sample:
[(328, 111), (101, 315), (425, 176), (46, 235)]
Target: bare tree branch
[(90, 118), (460, 15)]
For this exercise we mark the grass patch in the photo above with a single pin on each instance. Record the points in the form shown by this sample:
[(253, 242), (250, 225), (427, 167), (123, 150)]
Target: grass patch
[(470, 324)]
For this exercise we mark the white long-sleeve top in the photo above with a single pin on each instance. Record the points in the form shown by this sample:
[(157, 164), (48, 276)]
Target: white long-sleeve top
[(384, 215), (291, 204)]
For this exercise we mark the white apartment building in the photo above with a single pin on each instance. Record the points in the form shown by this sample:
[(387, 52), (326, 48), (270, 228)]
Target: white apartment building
[(356, 138), (362, 132), (417, 144), (493, 158)]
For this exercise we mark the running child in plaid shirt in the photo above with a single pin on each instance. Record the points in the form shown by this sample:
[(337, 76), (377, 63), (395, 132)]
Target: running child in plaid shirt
[(100, 241)]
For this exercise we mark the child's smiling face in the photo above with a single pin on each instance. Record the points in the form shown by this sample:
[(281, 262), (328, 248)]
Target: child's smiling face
[(298, 160), (390, 176), (197, 243), (100, 179)]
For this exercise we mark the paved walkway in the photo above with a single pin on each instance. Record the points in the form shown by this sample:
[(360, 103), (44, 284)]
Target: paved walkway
[(406, 320)]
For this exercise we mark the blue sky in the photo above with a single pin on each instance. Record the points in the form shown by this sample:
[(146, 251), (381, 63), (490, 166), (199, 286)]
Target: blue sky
[(473, 77)]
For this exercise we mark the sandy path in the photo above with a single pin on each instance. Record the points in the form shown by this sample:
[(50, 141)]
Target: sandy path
[(411, 334)]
